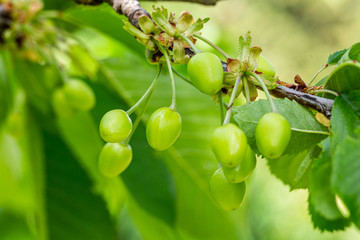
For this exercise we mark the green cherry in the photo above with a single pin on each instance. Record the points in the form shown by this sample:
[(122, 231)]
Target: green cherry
[(79, 94), (272, 135), (115, 126), (265, 67), (206, 72), (163, 128), (114, 159), (229, 143), (243, 170), (61, 106), (228, 195)]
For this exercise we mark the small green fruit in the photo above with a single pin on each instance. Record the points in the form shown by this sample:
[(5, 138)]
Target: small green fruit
[(79, 94), (243, 170), (206, 72), (265, 67), (229, 143), (272, 135), (163, 128), (15, 124), (61, 106), (115, 126), (228, 195), (114, 159)]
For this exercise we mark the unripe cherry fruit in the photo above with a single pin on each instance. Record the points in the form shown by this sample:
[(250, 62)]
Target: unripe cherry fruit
[(61, 106), (163, 128), (206, 72), (115, 126), (229, 143), (243, 170), (228, 195), (265, 67), (272, 135), (114, 159), (79, 94)]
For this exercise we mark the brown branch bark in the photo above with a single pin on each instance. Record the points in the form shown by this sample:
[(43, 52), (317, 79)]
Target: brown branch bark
[(204, 2), (323, 105), (133, 11)]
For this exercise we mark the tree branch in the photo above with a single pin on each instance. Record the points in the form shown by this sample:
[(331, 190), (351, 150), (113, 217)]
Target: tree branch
[(323, 105), (133, 11), (204, 2)]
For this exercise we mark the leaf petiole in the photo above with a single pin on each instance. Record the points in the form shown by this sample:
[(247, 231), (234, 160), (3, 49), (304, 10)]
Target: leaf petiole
[(325, 91), (316, 74)]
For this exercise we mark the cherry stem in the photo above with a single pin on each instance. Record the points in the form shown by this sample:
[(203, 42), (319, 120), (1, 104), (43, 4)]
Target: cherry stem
[(325, 91), (146, 97), (316, 74), (213, 45), (191, 44), (232, 99), (168, 63), (221, 103), (268, 96), (182, 76), (247, 91)]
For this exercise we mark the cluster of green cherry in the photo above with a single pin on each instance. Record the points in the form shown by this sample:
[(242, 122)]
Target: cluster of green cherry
[(74, 95), (166, 39), (116, 128), (229, 142)]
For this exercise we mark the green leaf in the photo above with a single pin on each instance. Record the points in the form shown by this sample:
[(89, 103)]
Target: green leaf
[(335, 57), (57, 5), (353, 100), (344, 121), (351, 55), (323, 224), (344, 78), (294, 170), (346, 176), (99, 18), (321, 196), (354, 52), (14, 227), (73, 210), (306, 131)]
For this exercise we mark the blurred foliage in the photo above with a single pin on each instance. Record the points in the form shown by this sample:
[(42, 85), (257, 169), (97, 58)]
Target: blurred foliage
[(49, 181)]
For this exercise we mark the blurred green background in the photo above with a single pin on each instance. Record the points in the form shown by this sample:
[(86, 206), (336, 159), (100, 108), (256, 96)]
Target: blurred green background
[(49, 183)]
